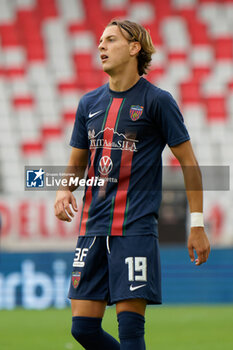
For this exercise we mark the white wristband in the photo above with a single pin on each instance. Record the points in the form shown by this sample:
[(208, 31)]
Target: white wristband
[(197, 220)]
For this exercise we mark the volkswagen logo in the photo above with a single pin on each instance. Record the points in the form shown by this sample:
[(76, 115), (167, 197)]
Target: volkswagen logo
[(105, 165)]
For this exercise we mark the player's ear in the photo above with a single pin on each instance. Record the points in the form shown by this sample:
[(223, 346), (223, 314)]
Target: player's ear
[(135, 47)]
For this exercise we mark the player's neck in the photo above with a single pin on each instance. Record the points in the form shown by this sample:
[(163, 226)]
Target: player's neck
[(123, 82)]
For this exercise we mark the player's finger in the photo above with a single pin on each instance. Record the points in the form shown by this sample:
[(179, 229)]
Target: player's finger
[(200, 258), (58, 208), (66, 217), (63, 216), (206, 254), (60, 212), (191, 253), (68, 209), (74, 203)]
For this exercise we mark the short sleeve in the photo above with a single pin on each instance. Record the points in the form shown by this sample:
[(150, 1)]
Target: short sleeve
[(79, 138), (170, 120)]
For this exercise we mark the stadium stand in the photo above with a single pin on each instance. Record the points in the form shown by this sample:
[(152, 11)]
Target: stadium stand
[(48, 59)]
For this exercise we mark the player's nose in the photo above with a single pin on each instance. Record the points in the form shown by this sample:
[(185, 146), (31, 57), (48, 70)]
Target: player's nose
[(102, 46)]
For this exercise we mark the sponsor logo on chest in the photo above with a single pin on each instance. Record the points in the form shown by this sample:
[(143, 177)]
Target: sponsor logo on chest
[(105, 165), (121, 141)]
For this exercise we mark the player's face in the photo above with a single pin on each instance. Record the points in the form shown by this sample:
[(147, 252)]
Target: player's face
[(115, 50)]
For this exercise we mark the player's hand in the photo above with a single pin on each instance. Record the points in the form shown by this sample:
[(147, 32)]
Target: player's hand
[(64, 203), (199, 242)]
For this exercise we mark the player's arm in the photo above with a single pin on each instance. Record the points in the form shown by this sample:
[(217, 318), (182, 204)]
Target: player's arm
[(65, 203), (193, 183)]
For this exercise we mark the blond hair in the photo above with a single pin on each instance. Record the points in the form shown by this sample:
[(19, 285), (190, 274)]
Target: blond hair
[(136, 32)]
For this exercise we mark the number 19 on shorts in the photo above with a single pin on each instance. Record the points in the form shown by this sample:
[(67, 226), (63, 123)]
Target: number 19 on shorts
[(137, 268)]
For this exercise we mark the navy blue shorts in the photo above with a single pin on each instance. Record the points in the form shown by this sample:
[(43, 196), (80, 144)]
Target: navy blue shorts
[(116, 268)]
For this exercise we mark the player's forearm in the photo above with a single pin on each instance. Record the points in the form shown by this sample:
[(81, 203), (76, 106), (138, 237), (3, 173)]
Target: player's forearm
[(71, 178), (75, 170), (193, 185), (192, 175)]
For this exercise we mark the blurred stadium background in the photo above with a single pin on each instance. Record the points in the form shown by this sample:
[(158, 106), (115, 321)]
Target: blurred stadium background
[(48, 60)]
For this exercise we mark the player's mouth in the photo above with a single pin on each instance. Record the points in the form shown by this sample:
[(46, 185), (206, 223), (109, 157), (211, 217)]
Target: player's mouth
[(103, 58)]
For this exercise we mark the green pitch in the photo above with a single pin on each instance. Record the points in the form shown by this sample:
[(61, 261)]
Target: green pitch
[(167, 328)]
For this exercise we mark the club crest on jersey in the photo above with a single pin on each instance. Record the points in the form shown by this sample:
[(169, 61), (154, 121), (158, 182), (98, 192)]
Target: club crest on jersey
[(135, 112), (76, 278)]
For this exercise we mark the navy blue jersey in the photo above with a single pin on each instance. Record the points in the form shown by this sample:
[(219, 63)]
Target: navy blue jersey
[(125, 133)]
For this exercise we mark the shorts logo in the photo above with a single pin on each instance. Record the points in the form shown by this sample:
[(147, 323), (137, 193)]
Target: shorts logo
[(136, 112), (105, 165), (76, 278), (35, 178), (132, 288)]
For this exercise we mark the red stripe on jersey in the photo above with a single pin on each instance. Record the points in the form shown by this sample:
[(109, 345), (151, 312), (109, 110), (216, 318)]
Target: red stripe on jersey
[(121, 196), (109, 133), (108, 136), (88, 196), (110, 124)]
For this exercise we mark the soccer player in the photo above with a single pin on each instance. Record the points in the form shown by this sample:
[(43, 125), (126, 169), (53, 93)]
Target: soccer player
[(120, 131)]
